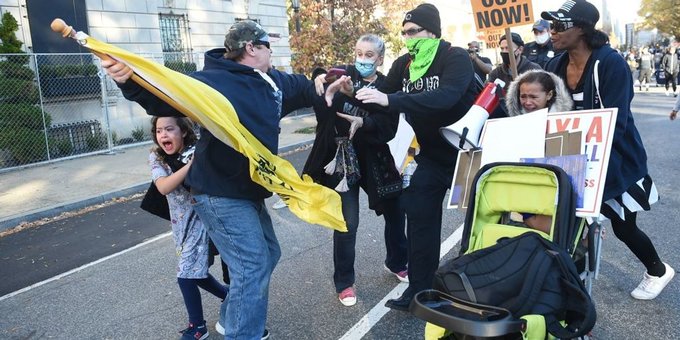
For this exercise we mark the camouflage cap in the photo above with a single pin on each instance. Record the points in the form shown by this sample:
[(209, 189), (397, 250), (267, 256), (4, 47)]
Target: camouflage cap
[(242, 32)]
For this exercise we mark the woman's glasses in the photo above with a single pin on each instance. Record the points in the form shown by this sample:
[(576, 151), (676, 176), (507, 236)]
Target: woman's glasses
[(412, 31), (561, 26)]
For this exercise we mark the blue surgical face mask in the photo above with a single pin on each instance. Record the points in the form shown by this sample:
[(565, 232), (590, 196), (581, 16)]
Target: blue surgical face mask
[(365, 67)]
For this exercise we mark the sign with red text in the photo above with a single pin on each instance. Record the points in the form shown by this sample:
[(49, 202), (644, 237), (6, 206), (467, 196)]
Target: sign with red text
[(501, 14), (597, 132)]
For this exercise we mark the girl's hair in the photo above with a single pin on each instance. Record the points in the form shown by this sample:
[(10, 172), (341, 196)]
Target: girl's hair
[(185, 126), (594, 38), (377, 42), (542, 78)]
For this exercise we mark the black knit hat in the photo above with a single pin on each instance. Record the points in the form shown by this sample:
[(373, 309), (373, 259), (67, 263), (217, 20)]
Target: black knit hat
[(427, 17)]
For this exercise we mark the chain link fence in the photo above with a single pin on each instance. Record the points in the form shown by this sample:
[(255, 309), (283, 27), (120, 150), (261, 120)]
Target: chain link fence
[(55, 106)]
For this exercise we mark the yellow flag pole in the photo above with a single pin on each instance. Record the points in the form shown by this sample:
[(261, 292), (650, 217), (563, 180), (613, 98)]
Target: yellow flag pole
[(66, 31)]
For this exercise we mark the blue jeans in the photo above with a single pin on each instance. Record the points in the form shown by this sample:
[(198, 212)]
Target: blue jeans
[(243, 233), (344, 244)]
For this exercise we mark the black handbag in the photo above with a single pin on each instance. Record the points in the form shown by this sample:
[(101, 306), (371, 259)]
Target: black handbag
[(155, 203)]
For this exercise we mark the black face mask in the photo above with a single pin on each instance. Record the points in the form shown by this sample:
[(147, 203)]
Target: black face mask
[(505, 56)]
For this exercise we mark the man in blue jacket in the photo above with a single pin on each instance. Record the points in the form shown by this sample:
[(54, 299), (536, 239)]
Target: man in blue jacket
[(228, 202)]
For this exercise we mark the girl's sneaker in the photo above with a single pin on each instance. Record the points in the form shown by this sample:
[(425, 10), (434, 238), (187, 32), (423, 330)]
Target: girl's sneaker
[(195, 332)]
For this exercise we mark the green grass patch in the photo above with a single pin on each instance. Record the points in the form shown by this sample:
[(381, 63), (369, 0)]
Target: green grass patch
[(308, 130)]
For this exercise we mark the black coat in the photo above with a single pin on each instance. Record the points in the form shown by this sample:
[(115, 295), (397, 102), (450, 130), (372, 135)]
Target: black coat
[(380, 178)]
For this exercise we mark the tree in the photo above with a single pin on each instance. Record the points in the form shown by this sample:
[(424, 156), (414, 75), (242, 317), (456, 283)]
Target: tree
[(394, 11), (22, 124), (661, 14), (10, 43), (329, 29)]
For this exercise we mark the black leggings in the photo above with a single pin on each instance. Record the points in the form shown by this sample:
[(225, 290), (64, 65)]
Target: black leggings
[(637, 241)]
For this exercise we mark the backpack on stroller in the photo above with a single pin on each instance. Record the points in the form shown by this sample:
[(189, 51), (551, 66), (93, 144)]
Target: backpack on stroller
[(484, 275)]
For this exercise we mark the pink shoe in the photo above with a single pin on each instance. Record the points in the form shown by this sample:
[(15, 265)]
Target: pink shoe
[(402, 275), (347, 297)]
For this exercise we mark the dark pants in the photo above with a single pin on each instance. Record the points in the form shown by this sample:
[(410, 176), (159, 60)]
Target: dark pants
[(344, 244), (422, 201), (638, 242), (671, 79)]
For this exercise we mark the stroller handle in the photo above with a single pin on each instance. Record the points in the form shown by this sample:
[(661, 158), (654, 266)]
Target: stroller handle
[(460, 316)]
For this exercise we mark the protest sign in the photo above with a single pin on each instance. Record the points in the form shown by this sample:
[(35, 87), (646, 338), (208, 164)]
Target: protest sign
[(597, 132), (492, 38), (594, 128), (500, 14), (500, 142), (574, 166)]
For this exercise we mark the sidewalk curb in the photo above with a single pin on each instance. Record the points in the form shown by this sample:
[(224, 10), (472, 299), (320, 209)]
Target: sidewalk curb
[(52, 211), (55, 210)]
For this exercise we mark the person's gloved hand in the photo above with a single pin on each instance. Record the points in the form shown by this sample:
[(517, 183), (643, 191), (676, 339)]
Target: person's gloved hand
[(372, 96), (343, 84), (319, 83), (355, 123)]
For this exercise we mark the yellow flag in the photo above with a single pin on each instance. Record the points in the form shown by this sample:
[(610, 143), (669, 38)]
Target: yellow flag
[(311, 202)]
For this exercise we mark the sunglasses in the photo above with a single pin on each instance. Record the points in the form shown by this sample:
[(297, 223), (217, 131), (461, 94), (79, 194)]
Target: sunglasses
[(262, 43), (412, 31), (561, 26)]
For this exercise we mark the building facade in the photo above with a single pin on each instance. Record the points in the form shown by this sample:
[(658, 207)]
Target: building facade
[(147, 26)]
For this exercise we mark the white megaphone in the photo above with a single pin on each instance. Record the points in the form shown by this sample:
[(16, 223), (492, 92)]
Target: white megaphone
[(464, 134)]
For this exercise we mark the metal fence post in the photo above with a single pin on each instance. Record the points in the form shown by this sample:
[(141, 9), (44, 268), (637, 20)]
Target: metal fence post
[(34, 58), (105, 107)]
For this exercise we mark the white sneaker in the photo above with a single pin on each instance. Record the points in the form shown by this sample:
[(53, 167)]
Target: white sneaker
[(280, 204), (651, 286), (219, 328)]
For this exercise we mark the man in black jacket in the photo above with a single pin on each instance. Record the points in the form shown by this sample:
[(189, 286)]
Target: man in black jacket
[(511, 50), (434, 85)]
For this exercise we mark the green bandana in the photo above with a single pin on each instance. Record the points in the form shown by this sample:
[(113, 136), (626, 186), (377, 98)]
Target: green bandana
[(422, 51)]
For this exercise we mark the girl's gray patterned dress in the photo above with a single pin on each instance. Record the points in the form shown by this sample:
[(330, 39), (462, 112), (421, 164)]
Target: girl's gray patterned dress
[(191, 249)]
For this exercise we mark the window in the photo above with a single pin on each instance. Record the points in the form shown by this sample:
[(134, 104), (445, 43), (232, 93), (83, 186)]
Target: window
[(175, 38)]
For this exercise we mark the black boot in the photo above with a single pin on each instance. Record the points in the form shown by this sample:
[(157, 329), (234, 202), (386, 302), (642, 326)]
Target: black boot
[(402, 303)]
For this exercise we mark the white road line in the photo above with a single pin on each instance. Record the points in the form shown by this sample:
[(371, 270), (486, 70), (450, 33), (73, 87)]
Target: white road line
[(75, 270), (379, 310)]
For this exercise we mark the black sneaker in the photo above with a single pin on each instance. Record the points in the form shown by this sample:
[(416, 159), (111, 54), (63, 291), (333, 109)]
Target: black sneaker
[(195, 332)]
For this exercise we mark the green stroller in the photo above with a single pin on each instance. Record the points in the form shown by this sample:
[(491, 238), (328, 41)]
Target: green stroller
[(505, 196)]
